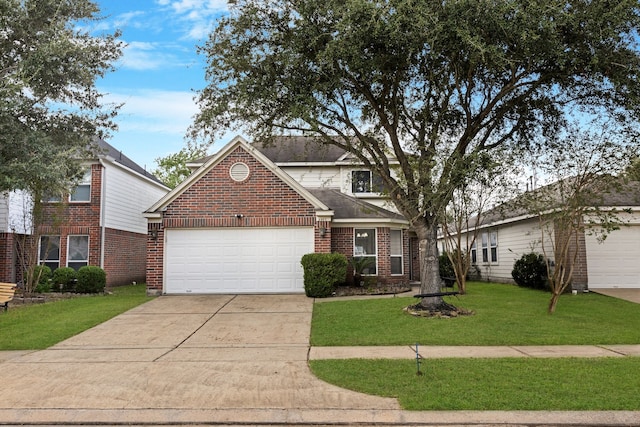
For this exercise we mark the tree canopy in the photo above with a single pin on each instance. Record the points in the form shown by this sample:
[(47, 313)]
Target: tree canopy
[(50, 109), (433, 83)]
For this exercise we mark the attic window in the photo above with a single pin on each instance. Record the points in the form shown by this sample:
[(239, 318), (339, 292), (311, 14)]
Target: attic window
[(239, 172)]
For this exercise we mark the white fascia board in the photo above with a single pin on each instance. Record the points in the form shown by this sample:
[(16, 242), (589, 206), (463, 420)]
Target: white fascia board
[(370, 222), (305, 164)]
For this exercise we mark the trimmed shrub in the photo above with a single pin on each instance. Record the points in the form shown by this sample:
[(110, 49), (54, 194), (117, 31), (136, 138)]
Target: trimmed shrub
[(530, 271), (446, 267), (91, 280), (322, 272), (64, 279), (43, 273)]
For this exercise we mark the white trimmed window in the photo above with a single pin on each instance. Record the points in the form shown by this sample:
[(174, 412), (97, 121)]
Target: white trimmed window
[(474, 253), (82, 192), (396, 251), (78, 252), (365, 247), (366, 182), (489, 247), (49, 252)]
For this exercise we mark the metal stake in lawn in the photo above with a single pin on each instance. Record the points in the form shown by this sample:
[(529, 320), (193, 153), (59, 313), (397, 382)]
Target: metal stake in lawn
[(418, 357)]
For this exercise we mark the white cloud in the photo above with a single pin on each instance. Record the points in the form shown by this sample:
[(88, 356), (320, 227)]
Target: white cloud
[(197, 15), (154, 111), (148, 56)]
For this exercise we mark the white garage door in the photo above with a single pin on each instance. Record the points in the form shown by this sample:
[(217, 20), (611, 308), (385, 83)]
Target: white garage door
[(245, 260), (615, 263)]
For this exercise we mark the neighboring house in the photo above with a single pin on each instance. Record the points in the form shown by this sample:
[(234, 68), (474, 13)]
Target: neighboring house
[(241, 222), (504, 235), (100, 223)]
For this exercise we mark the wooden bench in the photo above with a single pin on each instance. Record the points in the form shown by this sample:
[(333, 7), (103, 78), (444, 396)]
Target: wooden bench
[(7, 290), (436, 294)]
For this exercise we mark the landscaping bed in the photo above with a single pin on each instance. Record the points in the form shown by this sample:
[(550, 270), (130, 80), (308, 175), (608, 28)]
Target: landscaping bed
[(378, 289)]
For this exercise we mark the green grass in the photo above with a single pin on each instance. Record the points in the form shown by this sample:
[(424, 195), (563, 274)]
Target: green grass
[(493, 384), (504, 315), (39, 326)]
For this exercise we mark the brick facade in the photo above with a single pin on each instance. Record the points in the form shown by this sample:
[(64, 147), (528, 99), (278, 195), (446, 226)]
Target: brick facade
[(124, 258), (342, 242), (216, 200), (7, 258), (577, 243)]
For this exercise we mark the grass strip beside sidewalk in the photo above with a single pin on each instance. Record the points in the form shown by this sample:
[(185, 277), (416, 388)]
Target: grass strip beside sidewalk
[(38, 326), (493, 384)]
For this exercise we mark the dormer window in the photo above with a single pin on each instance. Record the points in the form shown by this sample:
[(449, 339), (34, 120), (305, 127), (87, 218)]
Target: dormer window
[(366, 182)]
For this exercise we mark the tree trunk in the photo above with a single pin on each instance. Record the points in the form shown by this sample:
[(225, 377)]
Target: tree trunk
[(429, 266), (554, 301)]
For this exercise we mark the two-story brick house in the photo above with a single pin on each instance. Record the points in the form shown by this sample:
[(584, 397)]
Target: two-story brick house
[(100, 223), (245, 217)]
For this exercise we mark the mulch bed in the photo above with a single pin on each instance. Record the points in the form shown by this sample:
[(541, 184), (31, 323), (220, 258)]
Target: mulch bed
[(343, 291)]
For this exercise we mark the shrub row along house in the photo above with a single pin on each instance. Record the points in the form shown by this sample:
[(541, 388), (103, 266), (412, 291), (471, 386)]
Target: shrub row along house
[(99, 224)]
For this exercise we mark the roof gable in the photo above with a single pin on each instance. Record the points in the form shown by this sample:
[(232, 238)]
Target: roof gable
[(237, 143)]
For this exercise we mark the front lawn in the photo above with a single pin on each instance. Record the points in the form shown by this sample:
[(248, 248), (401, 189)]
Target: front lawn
[(504, 315), (39, 326)]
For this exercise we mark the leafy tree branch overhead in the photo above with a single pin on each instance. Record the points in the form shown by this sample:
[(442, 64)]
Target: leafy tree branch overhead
[(49, 105), (433, 83)]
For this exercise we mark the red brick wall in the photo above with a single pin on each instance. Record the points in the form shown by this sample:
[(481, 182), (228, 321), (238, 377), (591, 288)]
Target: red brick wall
[(7, 258), (342, 242), (216, 200), (125, 259)]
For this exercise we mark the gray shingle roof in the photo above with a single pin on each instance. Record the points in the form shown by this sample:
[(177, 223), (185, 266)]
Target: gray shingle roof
[(291, 149), (347, 207), (106, 149)]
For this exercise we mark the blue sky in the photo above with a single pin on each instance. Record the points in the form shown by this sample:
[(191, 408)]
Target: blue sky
[(158, 72)]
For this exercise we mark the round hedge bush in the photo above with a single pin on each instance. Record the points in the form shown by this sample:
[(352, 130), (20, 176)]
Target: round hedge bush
[(91, 280), (64, 279), (530, 271)]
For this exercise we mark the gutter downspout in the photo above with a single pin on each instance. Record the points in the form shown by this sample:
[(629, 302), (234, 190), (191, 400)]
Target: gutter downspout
[(102, 213)]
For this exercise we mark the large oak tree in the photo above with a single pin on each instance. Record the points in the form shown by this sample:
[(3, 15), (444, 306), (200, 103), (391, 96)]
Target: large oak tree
[(50, 108), (432, 83)]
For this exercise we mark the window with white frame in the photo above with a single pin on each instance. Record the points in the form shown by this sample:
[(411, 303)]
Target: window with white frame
[(474, 253), (49, 253), (78, 252), (82, 193), (366, 182), (493, 246), (365, 249), (489, 242), (396, 252)]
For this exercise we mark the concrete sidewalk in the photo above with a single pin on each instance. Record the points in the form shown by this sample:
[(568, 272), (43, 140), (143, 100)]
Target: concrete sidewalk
[(433, 352)]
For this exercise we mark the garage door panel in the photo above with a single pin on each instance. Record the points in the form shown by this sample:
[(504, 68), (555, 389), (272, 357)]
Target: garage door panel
[(247, 260), (615, 263)]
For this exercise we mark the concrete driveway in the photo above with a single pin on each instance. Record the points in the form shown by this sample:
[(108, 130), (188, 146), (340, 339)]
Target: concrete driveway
[(177, 356)]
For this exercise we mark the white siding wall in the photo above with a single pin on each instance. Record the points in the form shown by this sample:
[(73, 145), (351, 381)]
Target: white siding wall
[(315, 176), (514, 240), (4, 212), (19, 206), (126, 197)]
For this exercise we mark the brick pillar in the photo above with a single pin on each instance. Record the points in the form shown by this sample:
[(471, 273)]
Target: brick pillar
[(155, 257), (322, 237)]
